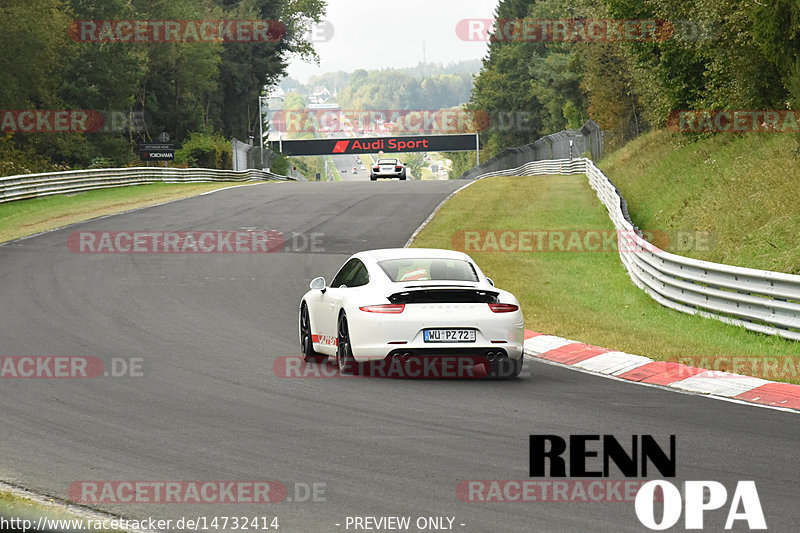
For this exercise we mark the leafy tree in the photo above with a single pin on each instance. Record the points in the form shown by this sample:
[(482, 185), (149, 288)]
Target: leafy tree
[(247, 67), (183, 87), (295, 101), (35, 44), (723, 54), (414, 162), (556, 74), (205, 151), (334, 81), (505, 85), (397, 90), (776, 31)]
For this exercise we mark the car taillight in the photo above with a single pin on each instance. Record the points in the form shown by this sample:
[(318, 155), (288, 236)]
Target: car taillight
[(503, 308), (398, 168), (376, 169), (385, 308)]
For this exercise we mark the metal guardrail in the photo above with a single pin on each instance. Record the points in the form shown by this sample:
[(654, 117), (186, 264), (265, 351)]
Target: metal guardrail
[(567, 144), (74, 181), (758, 300)]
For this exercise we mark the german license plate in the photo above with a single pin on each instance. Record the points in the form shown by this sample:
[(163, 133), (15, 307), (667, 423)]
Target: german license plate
[(449, 335)]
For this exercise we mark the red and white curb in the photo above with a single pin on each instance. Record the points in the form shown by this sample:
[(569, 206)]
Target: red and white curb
[(640, 369)]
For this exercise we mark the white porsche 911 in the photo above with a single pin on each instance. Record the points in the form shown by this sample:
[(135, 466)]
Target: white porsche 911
[(412, 304)]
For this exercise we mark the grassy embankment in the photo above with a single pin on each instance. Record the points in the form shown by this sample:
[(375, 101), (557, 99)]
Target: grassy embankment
[(27, 217), (741, 192)]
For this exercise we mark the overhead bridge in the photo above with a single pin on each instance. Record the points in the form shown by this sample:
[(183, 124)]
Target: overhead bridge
[(370, 145)]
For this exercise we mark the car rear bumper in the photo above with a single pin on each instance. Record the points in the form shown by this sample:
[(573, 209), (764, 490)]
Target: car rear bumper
[(375, 336), (439, 365), (386, 175), (377, 352)]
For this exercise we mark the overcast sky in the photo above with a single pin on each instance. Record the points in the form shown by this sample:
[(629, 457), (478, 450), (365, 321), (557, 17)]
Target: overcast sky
[(372, 34)]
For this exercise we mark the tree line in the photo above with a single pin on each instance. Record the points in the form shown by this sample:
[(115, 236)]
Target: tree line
[(208, 87), (423, 87), (701, 55)]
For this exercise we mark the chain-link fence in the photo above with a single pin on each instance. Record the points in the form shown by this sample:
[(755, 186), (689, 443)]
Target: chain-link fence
[(567, 144), (246, 156)]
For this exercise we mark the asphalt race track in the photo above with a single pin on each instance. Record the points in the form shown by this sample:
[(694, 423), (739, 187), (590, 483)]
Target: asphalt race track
[(208, 406), (347, 162)]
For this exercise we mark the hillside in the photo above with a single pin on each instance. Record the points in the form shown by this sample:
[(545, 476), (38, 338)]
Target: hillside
[(739, 194)]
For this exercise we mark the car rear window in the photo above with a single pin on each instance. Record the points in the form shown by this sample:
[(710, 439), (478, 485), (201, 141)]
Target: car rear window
[(428, 269)]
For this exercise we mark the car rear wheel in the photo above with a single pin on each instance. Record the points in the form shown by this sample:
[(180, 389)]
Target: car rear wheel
[(373, 178), (344, 351), (306, 341)]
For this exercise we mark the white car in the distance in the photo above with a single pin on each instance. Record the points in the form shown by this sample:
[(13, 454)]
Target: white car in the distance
[(388, 168), (413, 308)]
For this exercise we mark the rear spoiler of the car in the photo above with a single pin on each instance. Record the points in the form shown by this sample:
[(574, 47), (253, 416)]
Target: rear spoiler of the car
[(446, 294)]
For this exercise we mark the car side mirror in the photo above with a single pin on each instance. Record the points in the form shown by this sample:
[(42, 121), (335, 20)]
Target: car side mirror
[(491, 281), (318, 284)]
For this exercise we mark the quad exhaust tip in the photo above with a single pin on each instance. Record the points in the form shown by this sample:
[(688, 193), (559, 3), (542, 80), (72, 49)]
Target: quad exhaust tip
[(404, 358), (495, 356)]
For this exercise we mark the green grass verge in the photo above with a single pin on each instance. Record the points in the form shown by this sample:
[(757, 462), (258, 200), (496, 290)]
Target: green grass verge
[(336, 174), (589, 296), (742, 190), (14, 506), (28, 217)]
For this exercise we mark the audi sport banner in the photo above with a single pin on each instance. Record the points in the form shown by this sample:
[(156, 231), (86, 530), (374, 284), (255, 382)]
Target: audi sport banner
[(373, 145)]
